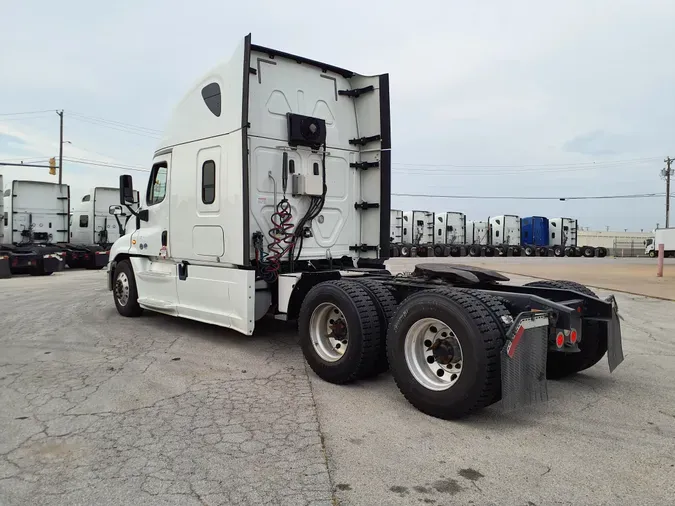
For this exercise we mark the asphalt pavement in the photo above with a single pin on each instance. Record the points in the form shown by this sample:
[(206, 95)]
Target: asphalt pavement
[(100, 409)]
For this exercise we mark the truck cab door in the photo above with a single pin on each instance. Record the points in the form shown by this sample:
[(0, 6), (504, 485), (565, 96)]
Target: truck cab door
[(154, 268)]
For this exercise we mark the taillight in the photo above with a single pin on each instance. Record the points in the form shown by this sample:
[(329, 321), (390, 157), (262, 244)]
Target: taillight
[(573, 336), (560, 340)]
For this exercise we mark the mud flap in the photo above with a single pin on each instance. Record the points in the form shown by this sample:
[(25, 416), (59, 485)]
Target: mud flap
[(523, 362), (614, 345)]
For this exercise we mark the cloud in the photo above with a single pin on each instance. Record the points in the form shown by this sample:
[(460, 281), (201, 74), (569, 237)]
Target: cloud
[(598, 143)]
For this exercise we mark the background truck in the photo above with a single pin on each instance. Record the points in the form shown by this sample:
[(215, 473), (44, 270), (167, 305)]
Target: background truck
[(4, 254), (396, 232), (478, 238), (563, 240), (665, 236), (418, 232), (534, 233), (504, 234), (243, 220), (450, 234), (93, 229), (36, 222)]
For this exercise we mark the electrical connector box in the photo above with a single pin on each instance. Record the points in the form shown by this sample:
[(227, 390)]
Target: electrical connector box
[(306, 184)]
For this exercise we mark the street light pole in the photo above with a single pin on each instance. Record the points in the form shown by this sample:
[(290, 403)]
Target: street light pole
[(60, 113)]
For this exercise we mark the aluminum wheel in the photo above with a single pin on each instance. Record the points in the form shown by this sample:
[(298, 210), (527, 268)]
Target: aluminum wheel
[(122, 289), (433, 354), (328, 332)]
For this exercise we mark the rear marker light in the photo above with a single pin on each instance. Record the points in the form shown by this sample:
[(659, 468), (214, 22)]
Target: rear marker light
[(573, 336), (560, 340)]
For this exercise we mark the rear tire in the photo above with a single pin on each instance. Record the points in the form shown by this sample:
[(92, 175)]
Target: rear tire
[(124, 290), (438, 251), (569, 252), (386, 306), (474, 251), (529, 251), (558, 251), (488, 251), (593, 344), (354, 316), (479, 337), (601, 252), (588, 252)]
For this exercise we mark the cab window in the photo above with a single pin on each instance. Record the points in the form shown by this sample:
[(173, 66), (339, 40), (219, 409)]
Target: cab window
[(157, 184)]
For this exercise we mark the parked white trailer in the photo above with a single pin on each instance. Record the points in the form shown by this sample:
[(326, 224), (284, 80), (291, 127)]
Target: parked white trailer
[(665, 236), (37, 222), (3, 215), (254, 208)]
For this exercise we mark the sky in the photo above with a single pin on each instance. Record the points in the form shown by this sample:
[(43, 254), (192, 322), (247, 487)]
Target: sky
[(488, 98)]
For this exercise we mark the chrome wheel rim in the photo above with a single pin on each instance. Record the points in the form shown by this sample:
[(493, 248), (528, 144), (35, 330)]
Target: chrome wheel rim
[(122, 289), (328, 332), (433, 354)]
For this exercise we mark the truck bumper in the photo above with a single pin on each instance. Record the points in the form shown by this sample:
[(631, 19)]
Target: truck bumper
[(99, 259), (5, 271), (22, 262), (53, 262)]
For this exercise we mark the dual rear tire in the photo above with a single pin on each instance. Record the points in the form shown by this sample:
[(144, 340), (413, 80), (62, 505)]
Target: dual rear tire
[(442, 346)]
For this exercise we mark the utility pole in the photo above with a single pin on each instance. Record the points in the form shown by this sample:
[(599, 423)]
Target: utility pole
[(666, 173), (60, 113)]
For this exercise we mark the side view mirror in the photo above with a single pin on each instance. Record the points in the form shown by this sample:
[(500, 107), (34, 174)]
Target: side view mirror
[(115, 210), (126, 190)]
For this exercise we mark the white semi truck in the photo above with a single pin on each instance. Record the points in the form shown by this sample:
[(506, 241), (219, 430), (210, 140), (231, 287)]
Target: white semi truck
[(35, 220), (504, 233), (93, 229), (563, 240), (665, 236), (5, 271), (269, 194)]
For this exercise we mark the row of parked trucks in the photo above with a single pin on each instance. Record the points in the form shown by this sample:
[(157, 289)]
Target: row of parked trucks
[(424, 233), (40, 235)]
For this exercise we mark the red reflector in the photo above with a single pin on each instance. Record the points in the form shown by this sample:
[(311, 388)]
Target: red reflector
[(573, 336), (511, 349), (560, 340), (86, 257)]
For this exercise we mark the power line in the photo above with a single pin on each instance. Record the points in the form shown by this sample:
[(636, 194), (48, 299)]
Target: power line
[(115, 127), (105, 164), (116, 123), (505, 197), (25, 112)]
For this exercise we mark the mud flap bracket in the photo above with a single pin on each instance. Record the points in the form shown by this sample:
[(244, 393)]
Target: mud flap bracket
[(523, 361)]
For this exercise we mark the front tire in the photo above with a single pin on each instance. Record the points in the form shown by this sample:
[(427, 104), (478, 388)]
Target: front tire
[(124, 290), (652, 254), (443, 348), (339, 331)]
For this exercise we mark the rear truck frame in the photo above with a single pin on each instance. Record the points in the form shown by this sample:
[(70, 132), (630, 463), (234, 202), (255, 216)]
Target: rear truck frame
[(273, 233)]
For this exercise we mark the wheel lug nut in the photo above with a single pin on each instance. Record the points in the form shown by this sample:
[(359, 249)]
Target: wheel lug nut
[(433, 329), (427, 343), (431, 359), (440, 372)]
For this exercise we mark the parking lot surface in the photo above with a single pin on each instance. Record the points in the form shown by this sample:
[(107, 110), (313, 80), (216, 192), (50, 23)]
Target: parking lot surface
[(100, 409)]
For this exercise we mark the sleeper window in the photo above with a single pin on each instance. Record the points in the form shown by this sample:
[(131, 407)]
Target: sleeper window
[(209, 182), (84, 220)]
